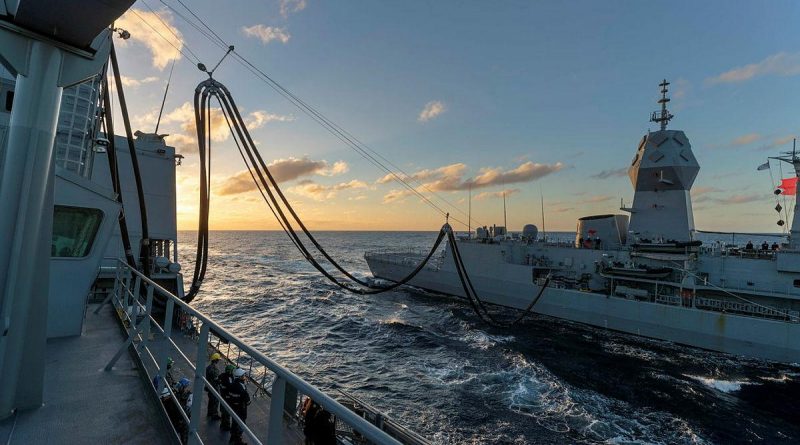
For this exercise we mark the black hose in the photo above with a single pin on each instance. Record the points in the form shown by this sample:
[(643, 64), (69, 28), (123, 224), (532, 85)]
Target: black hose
[(144, 250), (262, 178), (201, 259), (114, 169), (283, 197), (470, 293)]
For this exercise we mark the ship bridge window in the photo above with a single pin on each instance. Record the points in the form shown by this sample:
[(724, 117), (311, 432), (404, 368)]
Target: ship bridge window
[(9, 100), (796, 283), (74, 231)]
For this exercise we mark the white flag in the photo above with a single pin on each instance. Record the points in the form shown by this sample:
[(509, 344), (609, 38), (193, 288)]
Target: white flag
[(764, 166)]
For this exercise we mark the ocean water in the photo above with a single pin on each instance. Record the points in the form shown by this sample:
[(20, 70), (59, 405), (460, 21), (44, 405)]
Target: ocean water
[(429, 362)]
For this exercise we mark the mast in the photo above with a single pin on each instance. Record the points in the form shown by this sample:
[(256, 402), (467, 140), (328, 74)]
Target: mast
[(544, 231), (794, 231), (505, 221), (469, 212), (662, 117)]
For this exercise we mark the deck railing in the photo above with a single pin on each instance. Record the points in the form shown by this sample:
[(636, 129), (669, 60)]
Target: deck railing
[(133, 295)]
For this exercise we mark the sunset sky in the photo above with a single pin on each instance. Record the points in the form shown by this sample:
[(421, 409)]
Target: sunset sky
[(531, 98)]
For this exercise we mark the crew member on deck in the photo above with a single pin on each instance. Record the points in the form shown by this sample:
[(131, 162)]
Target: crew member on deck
[(225, 382), (749, 246), (212, 375), (765, 246), (239, 399)]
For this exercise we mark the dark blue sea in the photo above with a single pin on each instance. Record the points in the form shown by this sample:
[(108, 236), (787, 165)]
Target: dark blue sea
[(429, 362)]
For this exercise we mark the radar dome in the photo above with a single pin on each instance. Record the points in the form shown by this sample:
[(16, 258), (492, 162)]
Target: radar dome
[(530, 231)]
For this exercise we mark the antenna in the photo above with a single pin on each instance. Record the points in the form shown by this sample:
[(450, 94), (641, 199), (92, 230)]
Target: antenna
[(469, 212), (662, 117), (544, 231), (164, 99), (505, 220)]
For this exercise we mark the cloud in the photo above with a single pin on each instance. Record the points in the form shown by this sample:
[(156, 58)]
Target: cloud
[(529, 171), (182, 142), (596, 199), (500, 194), (431, 110), (452, 172), (777, 143), (238, 183), (284, 170), (159, 22), (183, 117), (317, 192), (291, 6), (739, 199), (396, 195), (746, 139), (780, 64), (320, 192), (699, 191), (614, 173), (338, 168), (450, 178), (680, 88), (258, 119), (133, 83), (266, 34), (354, 184)]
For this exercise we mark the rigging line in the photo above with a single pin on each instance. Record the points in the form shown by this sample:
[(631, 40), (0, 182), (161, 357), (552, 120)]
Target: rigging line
[(367, 147), (709, 283), (169, 28), (323, 120), (202, 31), (162, 36), (355, 141), (339, 135), (315, 115), (201, 21)]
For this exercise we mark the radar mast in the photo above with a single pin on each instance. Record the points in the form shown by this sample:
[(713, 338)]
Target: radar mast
[(662, 117)]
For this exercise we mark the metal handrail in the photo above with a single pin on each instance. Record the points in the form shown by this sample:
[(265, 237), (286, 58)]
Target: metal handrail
[(283, 377)]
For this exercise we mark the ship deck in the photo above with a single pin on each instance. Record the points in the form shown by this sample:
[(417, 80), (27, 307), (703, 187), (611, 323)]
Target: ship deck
[(85, 404)]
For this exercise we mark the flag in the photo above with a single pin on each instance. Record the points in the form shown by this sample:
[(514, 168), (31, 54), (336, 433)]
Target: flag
[(789, 186), (763, 166)]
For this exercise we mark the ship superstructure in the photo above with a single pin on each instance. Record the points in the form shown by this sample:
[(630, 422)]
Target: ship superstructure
[(645, 273), (74, 232)]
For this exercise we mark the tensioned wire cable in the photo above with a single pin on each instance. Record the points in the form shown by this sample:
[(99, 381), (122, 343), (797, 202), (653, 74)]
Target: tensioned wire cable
[(341, 134)]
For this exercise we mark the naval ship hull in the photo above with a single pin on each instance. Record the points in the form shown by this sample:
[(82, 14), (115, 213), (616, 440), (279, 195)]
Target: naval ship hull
[(511, 285)]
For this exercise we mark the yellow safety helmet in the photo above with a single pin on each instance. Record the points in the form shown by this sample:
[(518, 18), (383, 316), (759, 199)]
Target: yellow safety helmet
[(215, 356)]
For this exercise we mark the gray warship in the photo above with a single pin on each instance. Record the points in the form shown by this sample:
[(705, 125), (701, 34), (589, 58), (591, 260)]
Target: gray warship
[(645, 272)]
